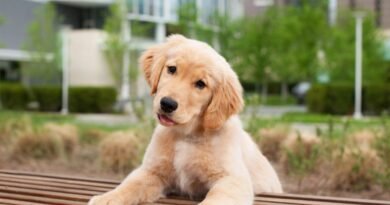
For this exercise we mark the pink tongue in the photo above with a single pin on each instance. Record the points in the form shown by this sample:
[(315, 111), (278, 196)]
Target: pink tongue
[(166, 120)]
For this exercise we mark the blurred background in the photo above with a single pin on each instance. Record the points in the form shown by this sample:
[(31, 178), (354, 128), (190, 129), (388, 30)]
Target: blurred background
[(316, 75)]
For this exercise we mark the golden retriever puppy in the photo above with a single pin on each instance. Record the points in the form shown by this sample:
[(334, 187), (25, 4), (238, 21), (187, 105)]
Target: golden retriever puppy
[(200, 148)]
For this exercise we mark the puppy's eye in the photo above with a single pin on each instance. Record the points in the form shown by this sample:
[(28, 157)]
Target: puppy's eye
[(171, 69), (200, 84)]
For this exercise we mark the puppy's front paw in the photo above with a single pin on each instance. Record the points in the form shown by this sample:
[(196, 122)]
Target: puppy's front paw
[(109, 198)]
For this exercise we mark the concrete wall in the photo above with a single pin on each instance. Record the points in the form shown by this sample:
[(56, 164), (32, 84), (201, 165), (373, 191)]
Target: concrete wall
[(17, 15), (87, 63)]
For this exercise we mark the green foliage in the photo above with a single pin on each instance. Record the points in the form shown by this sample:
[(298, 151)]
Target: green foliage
[(255, 99), (339, 98), (13, 96), (91, 99), (44, 47), (48, 97), (315, 98), (114, 45), (81, 99), (189, 23), (376, 98), (382, 145), (302, 159), (339, 49)]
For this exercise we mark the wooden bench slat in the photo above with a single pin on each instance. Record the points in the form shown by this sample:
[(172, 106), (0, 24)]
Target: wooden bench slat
[(49, 194), (68, 181), (52, 184), (21, 188), (325, 199), (47, 188), (85, 179), (39, 200), (17, 202), (260, 200)]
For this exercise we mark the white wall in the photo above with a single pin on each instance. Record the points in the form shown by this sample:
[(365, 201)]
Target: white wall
[(87, 64)]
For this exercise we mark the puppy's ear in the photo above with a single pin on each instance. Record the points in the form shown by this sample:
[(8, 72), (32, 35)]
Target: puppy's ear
[(152, 63), (226, 101)]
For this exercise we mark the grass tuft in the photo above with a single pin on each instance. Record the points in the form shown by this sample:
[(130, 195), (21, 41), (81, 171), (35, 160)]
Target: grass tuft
[(120, 151)]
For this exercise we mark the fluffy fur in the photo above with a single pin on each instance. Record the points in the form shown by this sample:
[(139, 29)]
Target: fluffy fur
[(202, 149)]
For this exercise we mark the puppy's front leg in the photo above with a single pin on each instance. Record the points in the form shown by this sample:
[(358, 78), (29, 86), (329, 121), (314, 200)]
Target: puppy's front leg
[(230, 191), (139, 186)]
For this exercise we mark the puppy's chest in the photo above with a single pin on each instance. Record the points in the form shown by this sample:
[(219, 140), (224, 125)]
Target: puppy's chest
[(196, 167)]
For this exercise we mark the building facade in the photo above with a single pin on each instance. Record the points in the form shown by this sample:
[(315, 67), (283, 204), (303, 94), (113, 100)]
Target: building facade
[(84, 20)]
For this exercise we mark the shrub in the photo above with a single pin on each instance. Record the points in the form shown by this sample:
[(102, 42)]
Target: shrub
[(36, 145), (339, 98), (376, 99), (92, 136), (120, 151), (315, 99), (270, 140), (48, 97), (301, 152), (66, 133), (382, 145), (353, 168), (81, 99), (14, 96), (12, 127), (91, 99)]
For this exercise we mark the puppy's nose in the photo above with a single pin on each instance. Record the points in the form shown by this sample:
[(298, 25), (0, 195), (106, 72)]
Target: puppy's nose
[(168, 104)]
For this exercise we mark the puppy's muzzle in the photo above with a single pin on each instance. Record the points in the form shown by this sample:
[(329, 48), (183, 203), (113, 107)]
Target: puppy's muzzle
[(168, 104)]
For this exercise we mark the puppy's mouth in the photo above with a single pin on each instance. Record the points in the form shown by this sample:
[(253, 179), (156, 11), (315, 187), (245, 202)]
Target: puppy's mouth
[(165, 120)]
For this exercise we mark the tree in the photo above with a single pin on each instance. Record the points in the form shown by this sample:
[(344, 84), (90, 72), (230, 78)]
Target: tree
[(43, 46), (114, 51), (297, 36), (113, 45), (340, 50)]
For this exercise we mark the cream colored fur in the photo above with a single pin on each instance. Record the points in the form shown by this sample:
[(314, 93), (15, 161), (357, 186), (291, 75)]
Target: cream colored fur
[(206, 153)]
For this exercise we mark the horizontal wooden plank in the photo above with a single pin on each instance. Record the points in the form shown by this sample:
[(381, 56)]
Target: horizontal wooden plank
[(18, 202), (20, 188), (86, 179), (37, 199), (325, 199), (48, 188), (47, 194), (64, 181), (52, 184)]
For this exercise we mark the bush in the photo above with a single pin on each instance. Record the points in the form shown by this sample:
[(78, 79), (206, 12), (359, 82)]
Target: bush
[(315, 98), (376, 99), (48, 97), (120, 151), (67, 133), (92, 99), (270, 141), (339, 99), (13, 96), (36, 145), (81, 99)]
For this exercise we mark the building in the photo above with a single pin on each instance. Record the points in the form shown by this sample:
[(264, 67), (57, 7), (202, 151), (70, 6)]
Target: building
[(84, 20), (87, 16), (381, 8)]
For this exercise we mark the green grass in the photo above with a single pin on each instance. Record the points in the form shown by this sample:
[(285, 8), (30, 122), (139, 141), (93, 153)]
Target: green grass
[(37, 118), (272, 100)]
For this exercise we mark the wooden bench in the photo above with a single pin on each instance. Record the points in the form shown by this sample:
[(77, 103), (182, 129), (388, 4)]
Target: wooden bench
[(25, 188)]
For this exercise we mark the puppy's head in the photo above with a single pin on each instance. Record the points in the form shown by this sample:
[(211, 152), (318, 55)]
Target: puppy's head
[(193, 85)]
